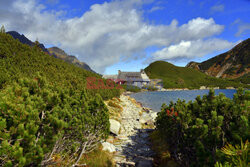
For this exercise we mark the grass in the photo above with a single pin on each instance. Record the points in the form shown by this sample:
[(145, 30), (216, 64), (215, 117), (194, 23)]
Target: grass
[(160, 147), (114, 108), (98, 158), (114, 104), (244, 79), (183, 77)]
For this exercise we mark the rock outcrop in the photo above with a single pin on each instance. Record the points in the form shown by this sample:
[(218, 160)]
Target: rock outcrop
[(61, 54), (232, 64)]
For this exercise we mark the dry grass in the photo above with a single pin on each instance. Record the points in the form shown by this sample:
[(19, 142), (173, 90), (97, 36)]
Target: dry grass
[(98, 158), (148, 126), (114, 104), (134, 102), (114, 108)]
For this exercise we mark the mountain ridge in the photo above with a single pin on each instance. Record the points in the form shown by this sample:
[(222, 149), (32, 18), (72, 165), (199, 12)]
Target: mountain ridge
[(67, 58), (23, 39), (61, 54), (232, 64)]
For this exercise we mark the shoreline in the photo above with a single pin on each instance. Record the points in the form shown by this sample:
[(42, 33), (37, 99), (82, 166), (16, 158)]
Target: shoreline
[(179, 89)]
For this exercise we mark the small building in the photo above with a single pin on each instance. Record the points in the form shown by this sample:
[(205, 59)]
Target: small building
[(138, 79)]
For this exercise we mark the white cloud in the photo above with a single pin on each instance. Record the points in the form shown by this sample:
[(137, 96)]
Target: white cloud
[(217, 8), (106, 33), (52, 2), (191, 49), (243, 27), (155, 8)]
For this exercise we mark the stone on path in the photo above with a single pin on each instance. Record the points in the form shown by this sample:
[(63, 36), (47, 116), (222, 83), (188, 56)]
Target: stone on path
[(132, 143), (108, 147), (114, 126), (145, 118)]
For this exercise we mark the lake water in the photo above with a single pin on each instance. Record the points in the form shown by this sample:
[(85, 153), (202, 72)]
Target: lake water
[(154, 100)]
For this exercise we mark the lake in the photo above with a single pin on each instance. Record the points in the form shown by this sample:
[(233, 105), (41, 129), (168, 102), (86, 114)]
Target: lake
[(154, 100)]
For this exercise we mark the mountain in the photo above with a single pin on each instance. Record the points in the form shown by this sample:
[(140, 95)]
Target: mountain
[(56, 52), (60, 54), (183, 77), (232, 64), (25, 40)]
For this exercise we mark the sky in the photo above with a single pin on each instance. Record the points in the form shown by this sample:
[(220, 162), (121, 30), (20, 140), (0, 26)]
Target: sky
[(128, 35)]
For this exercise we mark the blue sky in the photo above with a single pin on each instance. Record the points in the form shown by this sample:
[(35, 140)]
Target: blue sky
[(130, 34)]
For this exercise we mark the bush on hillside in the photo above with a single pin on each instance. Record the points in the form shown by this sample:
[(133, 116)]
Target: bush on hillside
[(39, 120), (18, 60), (195, 131)]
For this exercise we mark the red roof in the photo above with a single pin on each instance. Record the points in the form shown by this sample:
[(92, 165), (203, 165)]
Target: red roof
[(119, 80)]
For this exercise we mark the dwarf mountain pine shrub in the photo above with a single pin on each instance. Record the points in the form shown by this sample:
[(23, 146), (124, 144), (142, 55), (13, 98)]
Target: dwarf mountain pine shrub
[(195, 131), (39, 120)]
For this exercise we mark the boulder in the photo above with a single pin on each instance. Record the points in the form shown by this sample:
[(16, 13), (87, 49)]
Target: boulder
[(114, 126), (145, 117), (203, 87), (153, 115), (108, 147)]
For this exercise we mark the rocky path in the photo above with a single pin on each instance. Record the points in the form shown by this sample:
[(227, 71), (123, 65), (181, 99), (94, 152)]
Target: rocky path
[(132, 145)]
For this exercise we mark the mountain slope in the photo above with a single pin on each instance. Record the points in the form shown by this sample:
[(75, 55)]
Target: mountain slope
[(60, 54), (25, 40), (183, 77), (18, 60), (232, 64), (56, 52)]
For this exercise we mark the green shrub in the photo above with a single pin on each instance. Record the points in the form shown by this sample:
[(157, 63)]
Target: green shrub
[(236, 156), (39, 120), (195, 131), (150, 88), (131, 88)]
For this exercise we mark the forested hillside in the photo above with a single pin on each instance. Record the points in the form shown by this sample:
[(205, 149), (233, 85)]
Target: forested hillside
[(183, 77), (47, 116)]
